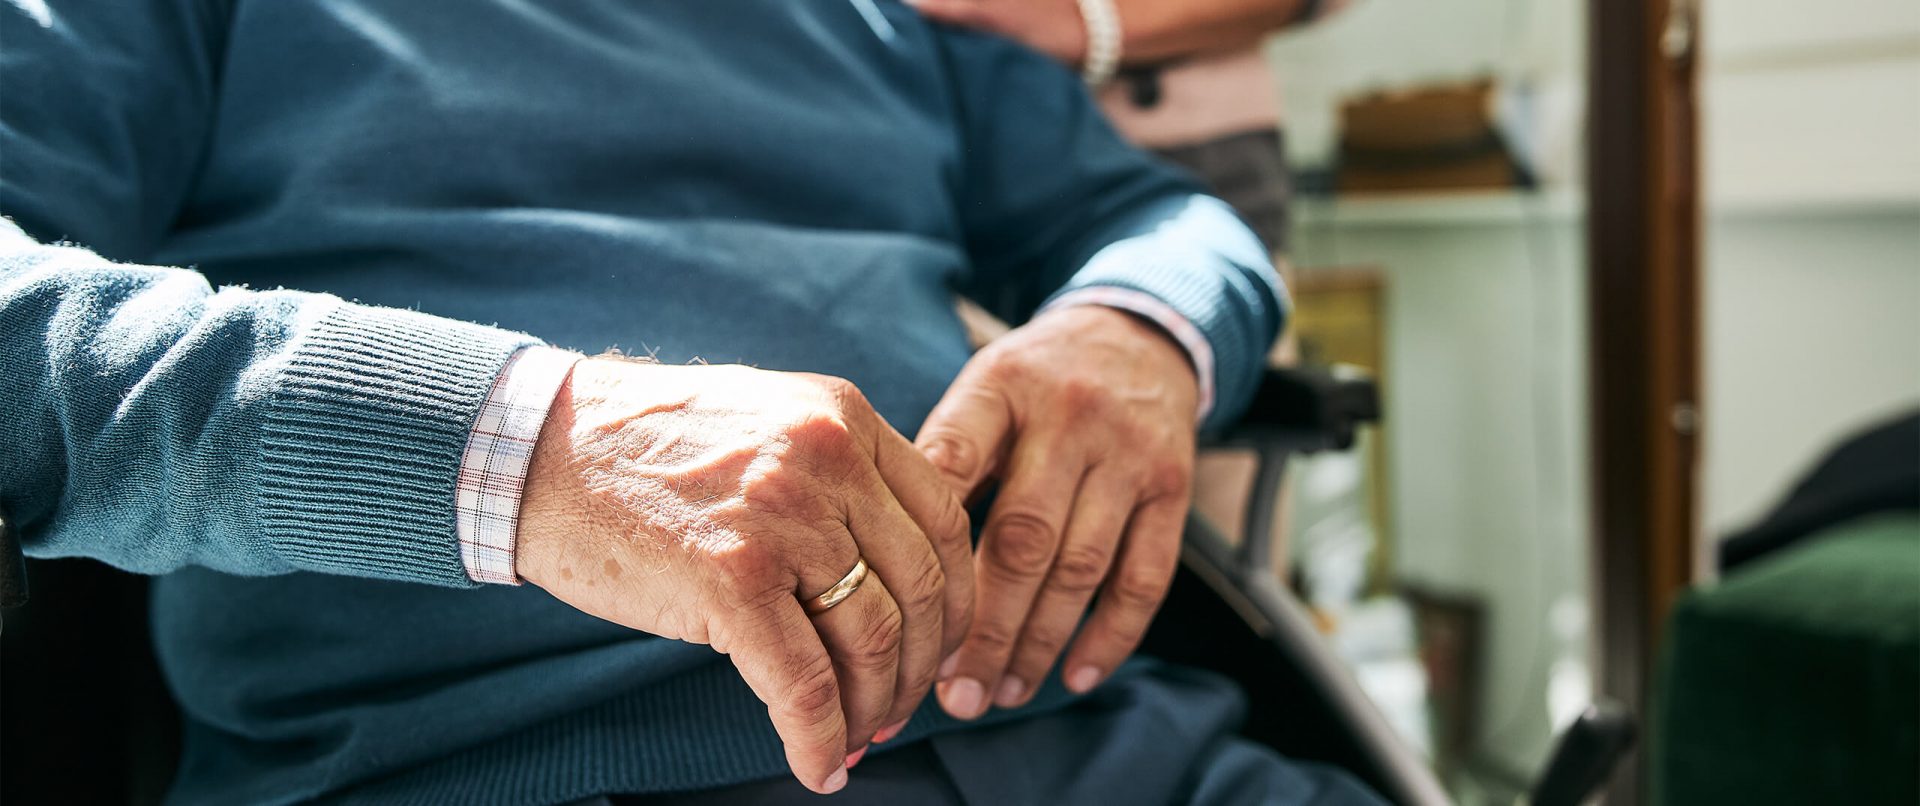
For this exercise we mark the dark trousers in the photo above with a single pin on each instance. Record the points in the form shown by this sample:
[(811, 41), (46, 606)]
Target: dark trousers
[(1163, 737)]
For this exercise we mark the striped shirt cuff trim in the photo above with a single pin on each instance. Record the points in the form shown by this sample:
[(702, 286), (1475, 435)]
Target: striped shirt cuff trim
[(493, 469)]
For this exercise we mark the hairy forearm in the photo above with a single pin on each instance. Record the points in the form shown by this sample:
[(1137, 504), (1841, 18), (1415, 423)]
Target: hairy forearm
[(1156, 30)]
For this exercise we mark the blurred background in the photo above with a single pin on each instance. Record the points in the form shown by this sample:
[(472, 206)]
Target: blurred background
[(1438, 239)]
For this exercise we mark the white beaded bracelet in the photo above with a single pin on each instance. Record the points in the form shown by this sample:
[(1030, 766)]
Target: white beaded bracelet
[(1103, 41)]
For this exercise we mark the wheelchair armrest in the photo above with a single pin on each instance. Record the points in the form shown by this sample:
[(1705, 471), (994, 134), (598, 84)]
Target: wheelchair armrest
[(1294, 411), (1312, 408)]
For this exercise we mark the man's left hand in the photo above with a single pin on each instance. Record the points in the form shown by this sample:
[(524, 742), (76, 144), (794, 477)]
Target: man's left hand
[(1086, 417)]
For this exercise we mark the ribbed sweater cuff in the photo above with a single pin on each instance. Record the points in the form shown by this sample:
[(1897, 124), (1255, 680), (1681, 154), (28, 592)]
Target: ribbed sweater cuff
[(361, 444)]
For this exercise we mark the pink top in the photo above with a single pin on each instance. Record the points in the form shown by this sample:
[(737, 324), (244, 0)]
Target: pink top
[(1202, 98)]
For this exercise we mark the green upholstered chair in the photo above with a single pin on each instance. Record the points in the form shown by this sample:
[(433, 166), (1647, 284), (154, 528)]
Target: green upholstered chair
[(1796, 679)]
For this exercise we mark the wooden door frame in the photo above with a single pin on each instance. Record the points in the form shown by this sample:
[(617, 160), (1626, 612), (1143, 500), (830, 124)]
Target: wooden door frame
[(1643, 247)]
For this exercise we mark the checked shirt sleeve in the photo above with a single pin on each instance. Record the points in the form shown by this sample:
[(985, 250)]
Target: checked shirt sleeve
[(493, 469)]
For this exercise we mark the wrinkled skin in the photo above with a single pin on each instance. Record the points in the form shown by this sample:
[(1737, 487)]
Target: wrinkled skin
[(1085, 418), (704, 502)]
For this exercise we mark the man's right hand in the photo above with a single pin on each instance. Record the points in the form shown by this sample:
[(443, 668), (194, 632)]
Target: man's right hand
[(704, 503)]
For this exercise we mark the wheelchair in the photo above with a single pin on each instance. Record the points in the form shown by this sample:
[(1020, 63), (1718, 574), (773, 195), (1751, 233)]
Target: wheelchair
[(88, 719)]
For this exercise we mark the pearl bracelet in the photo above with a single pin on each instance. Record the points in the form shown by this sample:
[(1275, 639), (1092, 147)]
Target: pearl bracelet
[(1103, 41)]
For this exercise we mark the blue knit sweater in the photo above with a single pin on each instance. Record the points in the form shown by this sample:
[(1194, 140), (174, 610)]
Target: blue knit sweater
[(799, 185)]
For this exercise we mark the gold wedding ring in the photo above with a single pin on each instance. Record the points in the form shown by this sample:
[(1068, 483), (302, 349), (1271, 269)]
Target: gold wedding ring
[(840, 590)]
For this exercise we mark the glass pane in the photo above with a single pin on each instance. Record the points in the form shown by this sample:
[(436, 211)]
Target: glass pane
[(1437, 243)]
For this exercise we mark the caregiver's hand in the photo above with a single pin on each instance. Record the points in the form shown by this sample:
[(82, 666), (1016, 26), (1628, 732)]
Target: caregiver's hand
[(704, 502), (1086, 416)]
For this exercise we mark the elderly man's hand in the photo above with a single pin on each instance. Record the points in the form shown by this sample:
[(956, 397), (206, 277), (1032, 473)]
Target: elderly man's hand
[(704, 503), (1086, 417)]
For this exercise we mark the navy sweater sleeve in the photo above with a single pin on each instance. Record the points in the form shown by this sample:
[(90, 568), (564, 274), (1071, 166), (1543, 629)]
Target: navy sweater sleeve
[(1053, 200), (152, 421)]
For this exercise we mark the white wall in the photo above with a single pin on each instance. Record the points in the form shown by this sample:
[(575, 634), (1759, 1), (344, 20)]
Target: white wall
[(1811, 104), (1811, 124), (1812, 330)]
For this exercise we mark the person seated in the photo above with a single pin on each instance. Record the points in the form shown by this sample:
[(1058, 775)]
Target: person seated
[(736, 565)]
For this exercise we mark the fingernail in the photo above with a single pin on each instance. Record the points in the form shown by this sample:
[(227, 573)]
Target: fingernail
[(854, 757), (1083, 679), (887, 733), (836, 782), (948, 666), (1009, 694), (965, 698)]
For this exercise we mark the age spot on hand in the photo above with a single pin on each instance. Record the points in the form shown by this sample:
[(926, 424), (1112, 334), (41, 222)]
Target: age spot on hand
[(613, 568)]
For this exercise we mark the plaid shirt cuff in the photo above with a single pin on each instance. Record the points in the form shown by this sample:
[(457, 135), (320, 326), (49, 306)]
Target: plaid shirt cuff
[(493, 470), (1140, 303)]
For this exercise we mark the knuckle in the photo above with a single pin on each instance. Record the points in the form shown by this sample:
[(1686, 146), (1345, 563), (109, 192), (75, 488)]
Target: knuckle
[(950, 522), (775, 487), (1001, 367), (1079, 569), (1022, 545), (1169, 475), (913, 687), (815, 695), (1044, 640), (845, 393), (992, 640), (958, 623), (879, 638), (1135, 431), (822, 435), (784, 491), (925, 591), (914, 682), (953, 454), (1139, 590), (747, 570), (833, 384), (1080, 395)]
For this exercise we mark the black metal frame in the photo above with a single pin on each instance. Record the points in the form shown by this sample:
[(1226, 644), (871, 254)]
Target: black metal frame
[(1228, 612), (1304, 701)]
